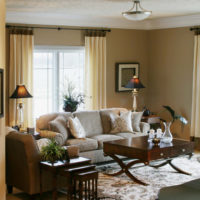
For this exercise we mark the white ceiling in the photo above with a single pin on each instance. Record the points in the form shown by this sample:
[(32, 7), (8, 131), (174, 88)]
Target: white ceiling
[(103, 13)]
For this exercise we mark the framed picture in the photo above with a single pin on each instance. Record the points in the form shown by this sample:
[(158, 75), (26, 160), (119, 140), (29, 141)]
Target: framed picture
[(1, 94), (124, 72)]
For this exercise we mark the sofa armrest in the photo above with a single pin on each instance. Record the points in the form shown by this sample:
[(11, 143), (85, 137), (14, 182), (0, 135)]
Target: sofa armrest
[(145, 127)]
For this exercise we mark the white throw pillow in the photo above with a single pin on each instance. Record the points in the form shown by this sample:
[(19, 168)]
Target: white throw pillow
[(136, 119), (59, 125), (76, 128), (121, 123)]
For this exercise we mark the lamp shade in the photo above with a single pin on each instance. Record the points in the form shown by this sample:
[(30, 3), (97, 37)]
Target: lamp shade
[(21, 92), (135, 83)]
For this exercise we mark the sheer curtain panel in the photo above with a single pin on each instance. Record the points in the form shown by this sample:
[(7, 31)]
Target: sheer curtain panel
[(21, 72), (195, 121), (95, 71)]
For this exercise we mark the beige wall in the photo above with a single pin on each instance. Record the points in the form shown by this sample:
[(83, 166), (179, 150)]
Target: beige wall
[(126, 46), (58, 38), (170, 72), (2, 120)]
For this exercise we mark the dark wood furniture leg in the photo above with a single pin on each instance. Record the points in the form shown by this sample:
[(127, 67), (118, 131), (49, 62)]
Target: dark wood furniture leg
[(54, 183), (125, 169), (9, 189), (40, 182), (172, 165)]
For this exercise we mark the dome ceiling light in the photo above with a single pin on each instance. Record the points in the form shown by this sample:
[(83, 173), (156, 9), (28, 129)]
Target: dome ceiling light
[(136, 13)]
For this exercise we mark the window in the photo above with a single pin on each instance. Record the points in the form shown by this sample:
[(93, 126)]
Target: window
[(53, 69)]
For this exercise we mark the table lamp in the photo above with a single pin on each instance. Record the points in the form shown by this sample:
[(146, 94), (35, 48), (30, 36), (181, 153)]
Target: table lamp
[(135, 84), (20, 93)]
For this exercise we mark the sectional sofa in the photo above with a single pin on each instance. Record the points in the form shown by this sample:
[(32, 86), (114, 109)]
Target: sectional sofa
[(97, 125)]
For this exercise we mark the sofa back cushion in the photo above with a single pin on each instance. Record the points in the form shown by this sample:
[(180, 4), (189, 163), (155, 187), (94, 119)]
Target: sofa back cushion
[(91, 122), (42, 123), (105, 117)]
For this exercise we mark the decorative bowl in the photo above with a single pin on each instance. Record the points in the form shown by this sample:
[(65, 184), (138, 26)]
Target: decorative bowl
[(156, 141)]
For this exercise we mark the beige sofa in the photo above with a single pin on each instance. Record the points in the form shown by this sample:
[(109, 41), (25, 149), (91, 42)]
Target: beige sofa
[(97, 126)]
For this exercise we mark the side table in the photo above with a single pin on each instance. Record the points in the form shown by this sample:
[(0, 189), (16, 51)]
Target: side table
[(35, 135), (57, 168), (153, 120)]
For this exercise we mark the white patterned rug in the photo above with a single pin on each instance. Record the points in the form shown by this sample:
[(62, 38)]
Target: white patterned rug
[(122, 188)]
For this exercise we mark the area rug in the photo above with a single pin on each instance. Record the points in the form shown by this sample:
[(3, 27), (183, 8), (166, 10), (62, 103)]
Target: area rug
[(122, 188)]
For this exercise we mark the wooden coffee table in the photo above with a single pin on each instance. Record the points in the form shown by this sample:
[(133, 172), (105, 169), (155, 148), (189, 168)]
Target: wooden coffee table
[(143, 151)]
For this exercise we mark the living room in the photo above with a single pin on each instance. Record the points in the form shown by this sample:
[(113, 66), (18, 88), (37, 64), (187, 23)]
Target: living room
[(163, 47)]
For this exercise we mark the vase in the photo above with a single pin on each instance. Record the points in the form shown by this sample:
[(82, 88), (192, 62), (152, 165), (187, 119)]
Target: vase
[(167, 136)]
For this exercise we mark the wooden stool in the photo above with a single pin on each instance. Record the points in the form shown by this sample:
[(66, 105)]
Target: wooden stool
[(87, 185)]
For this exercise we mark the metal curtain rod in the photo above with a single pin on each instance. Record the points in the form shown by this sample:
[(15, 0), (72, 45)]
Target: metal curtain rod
[(60, 28), (195, 29)]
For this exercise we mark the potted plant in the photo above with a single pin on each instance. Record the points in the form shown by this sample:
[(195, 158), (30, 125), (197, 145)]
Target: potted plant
[(53, 152), (167, 136), (71, 99)]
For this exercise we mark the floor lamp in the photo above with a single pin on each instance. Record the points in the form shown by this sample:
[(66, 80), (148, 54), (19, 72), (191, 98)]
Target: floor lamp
[(135, 84), (20, 93)]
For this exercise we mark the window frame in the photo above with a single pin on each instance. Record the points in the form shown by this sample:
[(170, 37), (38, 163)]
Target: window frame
[(56, 50)]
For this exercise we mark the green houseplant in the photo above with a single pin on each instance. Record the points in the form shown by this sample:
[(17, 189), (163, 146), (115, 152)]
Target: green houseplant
[(71, 99), (175, 116), (167, 136), (53, 152)]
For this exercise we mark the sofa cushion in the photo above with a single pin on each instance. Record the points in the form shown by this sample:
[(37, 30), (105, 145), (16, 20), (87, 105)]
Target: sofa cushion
[(121, 123), (59, 125), (105, 117), (131, 135), (136, 119), (84, 144), (76, 128), (91, 122), (104, 138)]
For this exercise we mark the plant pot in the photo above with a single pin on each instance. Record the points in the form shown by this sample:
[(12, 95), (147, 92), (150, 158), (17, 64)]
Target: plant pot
[(69, 106)]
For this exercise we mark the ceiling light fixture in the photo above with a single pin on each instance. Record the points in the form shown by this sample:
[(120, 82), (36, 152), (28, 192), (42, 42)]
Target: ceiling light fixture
[(136, 13)]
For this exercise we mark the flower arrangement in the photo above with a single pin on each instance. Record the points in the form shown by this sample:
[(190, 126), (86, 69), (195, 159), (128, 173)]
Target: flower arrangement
[(71, 99)]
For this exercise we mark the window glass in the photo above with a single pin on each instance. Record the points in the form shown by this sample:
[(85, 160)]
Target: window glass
[(53, 70)]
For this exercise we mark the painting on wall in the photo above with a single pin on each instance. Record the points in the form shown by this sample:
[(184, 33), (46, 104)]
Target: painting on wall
[(124, 72), (1, 93)]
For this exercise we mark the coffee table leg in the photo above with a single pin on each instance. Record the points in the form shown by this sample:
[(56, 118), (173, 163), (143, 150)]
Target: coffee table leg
[(125, 169), (172, 165), (177, 169)]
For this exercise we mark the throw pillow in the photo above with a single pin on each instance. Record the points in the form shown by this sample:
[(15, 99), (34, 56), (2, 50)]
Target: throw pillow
[(136, 119), (48, 134), (121, 123), (59, 125), (76, 128)]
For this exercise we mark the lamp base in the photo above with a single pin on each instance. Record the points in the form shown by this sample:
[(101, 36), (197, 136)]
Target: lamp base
[(135, 95)]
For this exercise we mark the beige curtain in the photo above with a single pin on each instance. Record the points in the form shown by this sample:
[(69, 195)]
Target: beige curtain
[(95, 72), (21, 72), (195, 120)]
